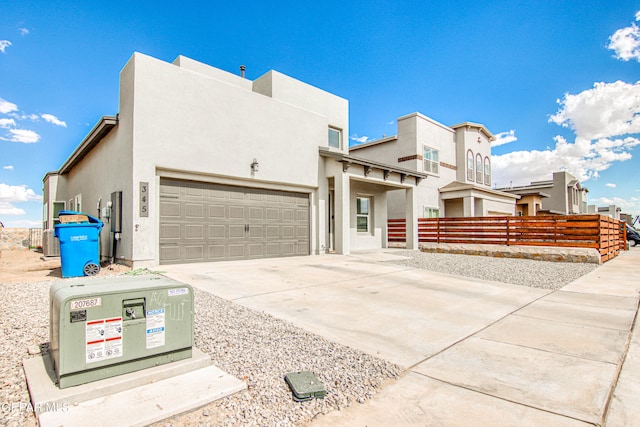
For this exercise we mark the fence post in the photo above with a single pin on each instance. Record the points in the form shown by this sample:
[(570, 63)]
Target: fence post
[(507, 231), (438, 230)]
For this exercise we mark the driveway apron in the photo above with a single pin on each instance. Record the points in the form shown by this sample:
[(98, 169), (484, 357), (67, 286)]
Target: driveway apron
[(493, 353)]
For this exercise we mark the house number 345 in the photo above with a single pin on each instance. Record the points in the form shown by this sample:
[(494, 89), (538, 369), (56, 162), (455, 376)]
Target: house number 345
[(144, 199)]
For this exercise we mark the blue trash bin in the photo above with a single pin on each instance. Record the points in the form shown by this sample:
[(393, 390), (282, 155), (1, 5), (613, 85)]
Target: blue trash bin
[(79, 245)]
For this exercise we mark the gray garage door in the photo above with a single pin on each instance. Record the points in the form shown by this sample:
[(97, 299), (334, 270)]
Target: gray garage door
[(202, 222)]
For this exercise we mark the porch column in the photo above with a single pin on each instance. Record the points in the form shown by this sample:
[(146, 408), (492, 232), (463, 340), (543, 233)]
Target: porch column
[(342, 213), (411, 214), (468, 206)]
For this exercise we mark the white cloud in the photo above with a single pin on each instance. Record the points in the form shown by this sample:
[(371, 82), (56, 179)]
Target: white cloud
[(22, 135), (630, 205), (609, 109), (625, 42), (359, 139), (9, 209), (53, 120), (4, 44), (7, 123), (23, 31), (8, 167), (504, 138), (610, 185), (583, 158), (7, 107), (10, 194)]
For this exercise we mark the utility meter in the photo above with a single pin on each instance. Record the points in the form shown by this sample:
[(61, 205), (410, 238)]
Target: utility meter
[(103, 327)]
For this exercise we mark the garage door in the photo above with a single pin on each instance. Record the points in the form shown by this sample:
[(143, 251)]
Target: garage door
[(202, 222)]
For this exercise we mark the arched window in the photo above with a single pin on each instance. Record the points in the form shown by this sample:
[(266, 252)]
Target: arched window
[(479, 169), (487, 171), (469, 165)]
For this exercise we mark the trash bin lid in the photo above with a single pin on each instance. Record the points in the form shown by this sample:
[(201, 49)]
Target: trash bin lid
[(78, 217)]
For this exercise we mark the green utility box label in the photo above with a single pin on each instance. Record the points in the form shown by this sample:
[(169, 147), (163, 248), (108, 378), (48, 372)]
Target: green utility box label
[(155, 328), (104, 339), (177, 292)]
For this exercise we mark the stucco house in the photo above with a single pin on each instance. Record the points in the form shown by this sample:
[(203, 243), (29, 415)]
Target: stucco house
[(201, 165), (563, 194), (612, 211), (457, 161)]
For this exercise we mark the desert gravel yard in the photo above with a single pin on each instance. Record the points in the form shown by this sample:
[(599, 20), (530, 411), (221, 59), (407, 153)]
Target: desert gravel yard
[(524, 272), (253, 346)]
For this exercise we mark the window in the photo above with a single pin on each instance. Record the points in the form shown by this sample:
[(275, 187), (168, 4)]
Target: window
[(57, 207), (45, 216), (469, 165), (78, 202), (362, 214), (479, 169), (430, 160), (70, 205), (487, 171), (431, 212), (335, 137)]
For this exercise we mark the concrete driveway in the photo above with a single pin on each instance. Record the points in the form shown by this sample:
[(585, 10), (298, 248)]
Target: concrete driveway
[(493, 353)]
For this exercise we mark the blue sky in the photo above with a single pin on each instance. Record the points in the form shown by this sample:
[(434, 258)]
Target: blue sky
[(557, 82)]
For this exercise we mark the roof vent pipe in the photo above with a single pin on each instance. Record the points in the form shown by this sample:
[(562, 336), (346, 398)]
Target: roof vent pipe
[(242, 69)]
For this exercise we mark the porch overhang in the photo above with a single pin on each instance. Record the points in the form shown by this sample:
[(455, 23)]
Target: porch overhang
[(371, 171), (456, 190)]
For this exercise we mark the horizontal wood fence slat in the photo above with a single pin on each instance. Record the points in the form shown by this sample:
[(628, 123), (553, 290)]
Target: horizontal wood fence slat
[(600, 232)]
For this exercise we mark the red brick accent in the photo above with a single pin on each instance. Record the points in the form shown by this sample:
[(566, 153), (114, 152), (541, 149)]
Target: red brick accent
[(447, 165), (407, 158)]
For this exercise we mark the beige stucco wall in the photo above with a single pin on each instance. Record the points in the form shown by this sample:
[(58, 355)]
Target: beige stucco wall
[(467, 139), (376, 237), (476, 203), (191, 121), (200, 126), (414, 132), (105, 169)]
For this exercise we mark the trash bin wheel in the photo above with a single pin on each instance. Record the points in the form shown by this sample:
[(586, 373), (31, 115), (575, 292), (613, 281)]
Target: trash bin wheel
[(91, 269)]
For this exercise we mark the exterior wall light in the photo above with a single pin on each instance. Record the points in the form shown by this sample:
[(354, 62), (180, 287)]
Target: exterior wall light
[(255, 166)]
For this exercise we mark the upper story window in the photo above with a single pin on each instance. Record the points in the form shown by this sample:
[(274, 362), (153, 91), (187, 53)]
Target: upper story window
[(487, 171), (431, 160), (469, 165), (335, 138), (479, 169)]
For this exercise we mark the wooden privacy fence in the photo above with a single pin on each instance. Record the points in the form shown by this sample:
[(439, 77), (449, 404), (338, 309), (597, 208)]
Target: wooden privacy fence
[(600, 232)]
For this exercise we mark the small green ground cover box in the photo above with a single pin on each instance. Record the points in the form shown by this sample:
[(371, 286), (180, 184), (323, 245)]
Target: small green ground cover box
[(305, 386)]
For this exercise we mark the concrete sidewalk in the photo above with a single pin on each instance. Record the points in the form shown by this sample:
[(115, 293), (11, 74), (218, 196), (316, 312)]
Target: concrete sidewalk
[(476, 352)]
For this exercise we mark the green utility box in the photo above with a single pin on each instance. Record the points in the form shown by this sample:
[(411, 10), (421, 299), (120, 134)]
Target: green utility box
[(101, 328), (305, 386)]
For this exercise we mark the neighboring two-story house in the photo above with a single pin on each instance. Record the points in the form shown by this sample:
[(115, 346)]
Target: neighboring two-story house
[(561, 195), (456, 160)]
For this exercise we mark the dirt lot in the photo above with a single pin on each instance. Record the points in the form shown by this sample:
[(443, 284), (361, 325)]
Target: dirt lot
[(30, 266)]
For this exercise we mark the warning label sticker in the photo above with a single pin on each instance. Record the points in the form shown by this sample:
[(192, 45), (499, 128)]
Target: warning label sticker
[(104, 339), (155, 328)]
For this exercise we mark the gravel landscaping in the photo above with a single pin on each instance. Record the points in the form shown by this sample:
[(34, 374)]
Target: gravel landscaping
[(516, 271), (256, 347)]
